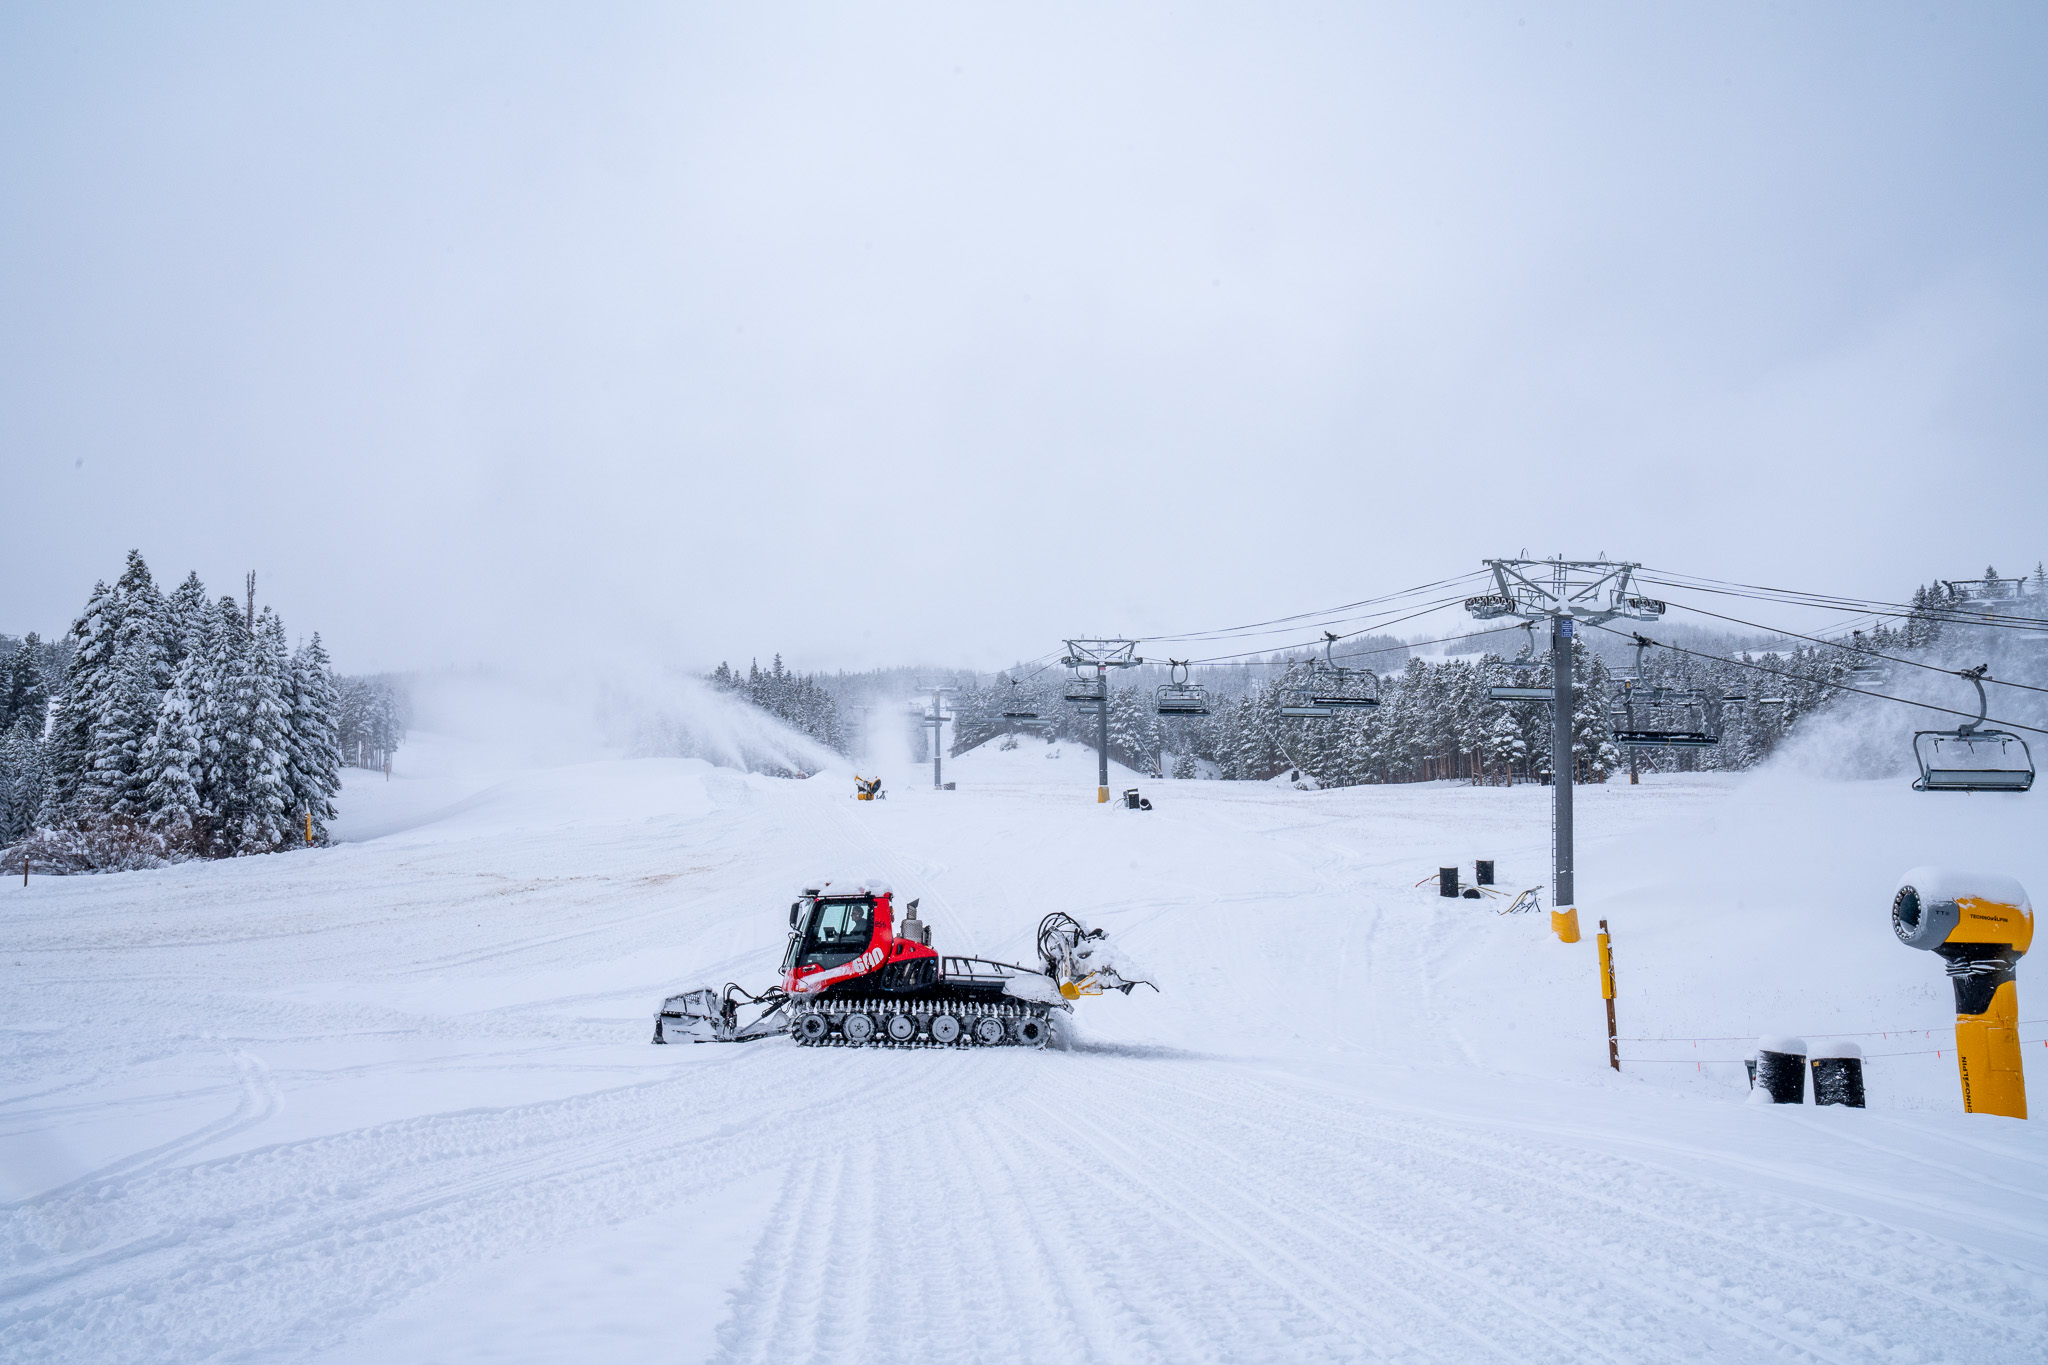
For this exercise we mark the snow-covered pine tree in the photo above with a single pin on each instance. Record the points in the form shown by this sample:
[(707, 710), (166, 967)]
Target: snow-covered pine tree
[(23, 694), (142, 645), (242, 787), (185, 615), (1594, 754), (23, 779), (172, 757), (316, 772), (88, 676)]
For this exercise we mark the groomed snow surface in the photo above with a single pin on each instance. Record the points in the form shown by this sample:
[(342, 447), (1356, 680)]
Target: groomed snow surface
[(393, 1101)]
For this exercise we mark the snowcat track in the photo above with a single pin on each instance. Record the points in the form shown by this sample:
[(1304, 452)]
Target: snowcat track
[(1022, 1023)]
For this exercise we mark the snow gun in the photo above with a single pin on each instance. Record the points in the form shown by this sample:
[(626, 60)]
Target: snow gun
[(1982, 925)]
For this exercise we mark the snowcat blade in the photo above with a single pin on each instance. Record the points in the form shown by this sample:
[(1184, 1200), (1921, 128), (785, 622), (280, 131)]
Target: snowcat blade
[(692, 1017), (709, 1016)]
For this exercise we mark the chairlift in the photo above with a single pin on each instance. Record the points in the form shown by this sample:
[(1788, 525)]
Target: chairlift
[(1869, 672), (1179, 697), (1344, 689), (1676, 717), (1017, 714), (1971, 758), (1330, 689), (1528, 657), (1083, 690)]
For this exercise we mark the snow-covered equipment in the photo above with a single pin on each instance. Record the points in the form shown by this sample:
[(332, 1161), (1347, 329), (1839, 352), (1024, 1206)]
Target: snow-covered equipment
[(1133, 801), (1838, 1074), (1330, 688), (1179, 697), (1083, 961), (867, 788), (1981, 924), (1971, 758), (1780, 1076), (855, 974)]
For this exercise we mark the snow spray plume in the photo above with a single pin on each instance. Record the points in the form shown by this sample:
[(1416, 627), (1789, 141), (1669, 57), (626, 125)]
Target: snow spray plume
[(1865, 737), (500, 721), (676, 715)]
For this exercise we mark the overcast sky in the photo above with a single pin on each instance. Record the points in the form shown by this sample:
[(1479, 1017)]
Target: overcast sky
[(887, 334)]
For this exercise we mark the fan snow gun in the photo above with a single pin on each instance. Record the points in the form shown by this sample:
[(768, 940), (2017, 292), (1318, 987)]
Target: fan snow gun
[(1082, 961), (1981, 924)]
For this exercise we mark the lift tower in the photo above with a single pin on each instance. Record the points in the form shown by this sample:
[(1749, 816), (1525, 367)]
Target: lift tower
[(1100, 655), (1566, 592), (934, 720)]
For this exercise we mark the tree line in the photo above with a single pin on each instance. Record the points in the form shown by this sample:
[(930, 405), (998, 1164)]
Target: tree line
[(177, 726)]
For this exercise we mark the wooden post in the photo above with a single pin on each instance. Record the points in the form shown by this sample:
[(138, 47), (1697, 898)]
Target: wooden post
[(309, 827), (1607, 993)]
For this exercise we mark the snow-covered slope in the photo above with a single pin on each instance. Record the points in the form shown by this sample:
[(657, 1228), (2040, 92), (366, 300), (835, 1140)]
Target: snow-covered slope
[(393, 1100)]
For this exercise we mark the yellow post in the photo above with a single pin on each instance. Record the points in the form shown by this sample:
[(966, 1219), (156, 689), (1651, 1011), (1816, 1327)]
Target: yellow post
[(1607, 994), (1101, 795), (309, 827), (1565, 924)]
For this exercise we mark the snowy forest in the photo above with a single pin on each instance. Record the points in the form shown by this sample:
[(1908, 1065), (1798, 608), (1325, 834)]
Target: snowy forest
[(166, 725)]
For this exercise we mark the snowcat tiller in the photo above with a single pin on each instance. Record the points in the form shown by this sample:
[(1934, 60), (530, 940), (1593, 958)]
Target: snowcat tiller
[(854, 975)]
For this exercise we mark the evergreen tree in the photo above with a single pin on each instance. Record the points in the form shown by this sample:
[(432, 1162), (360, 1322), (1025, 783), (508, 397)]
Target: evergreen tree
[(23, 779), (24, 697), (88, 676), (171, 760), (315, 774), (185, 617)]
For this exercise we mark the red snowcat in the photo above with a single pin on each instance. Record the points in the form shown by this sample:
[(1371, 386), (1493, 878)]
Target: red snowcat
[(854, 975)]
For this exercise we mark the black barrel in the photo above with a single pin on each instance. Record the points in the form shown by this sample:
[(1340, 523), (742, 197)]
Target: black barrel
[(1482, 872), (1781, 1069), (1838, 1075), (1447, 882)]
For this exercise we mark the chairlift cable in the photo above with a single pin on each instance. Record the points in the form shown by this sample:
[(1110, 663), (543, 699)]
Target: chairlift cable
[(1299, 617), (1860, 605), (1853, 649), (1226, 660), (1835, 686)]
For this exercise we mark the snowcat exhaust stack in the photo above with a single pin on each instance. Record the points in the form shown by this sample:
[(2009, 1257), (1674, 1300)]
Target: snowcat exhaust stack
[(1981, 924)]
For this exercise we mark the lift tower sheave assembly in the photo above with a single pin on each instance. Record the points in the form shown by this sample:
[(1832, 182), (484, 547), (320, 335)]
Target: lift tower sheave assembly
[(1566, 592), (1099, 656)]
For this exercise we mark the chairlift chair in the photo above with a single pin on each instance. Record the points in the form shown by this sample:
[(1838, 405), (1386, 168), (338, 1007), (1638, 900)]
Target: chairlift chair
[(1083, 690), (1179, 697), (1340, 689), (1679, 717), (1971, 758), (1017, 715)]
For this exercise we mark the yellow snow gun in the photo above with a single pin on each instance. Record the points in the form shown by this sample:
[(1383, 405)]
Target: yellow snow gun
[(1981, 924)]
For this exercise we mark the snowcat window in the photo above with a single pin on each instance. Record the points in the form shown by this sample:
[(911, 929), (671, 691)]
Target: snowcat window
[(839, 932)]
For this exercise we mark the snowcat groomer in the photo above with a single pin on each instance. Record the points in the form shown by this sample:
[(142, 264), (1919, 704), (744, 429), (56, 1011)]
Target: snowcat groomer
[(854, 975)]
